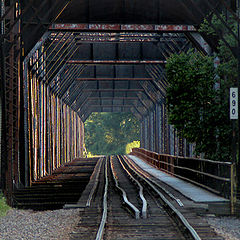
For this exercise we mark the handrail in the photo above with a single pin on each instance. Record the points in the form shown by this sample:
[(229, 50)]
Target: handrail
[(144, 151), (198, 171), (189, 169)]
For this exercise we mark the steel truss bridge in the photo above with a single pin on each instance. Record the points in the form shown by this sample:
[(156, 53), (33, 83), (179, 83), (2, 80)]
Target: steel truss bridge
[(62, 60)]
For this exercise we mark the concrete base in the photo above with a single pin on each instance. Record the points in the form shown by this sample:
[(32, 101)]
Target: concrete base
[(219, 209)]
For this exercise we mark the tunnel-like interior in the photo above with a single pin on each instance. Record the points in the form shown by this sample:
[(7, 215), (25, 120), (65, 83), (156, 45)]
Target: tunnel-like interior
[(74, 72), (63, 60)]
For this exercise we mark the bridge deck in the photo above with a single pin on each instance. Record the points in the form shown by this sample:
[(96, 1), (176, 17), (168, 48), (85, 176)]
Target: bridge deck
[(189, 190)]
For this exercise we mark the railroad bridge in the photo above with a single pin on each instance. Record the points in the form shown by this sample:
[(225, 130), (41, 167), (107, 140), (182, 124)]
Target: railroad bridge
[(62, 60)]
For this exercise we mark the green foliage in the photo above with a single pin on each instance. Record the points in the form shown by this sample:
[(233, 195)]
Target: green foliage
[(109, 133), (195, 107), (130, 146), (228, 67), (3, 206)]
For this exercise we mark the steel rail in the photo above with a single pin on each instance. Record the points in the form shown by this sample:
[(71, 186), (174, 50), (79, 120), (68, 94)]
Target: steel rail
[(131, 207), (104, 215), (96, 173), (169, 206), (179, 202), (144, 201)]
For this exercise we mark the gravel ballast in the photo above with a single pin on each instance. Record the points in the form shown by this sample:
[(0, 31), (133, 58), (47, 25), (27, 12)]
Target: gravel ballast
[(32, 225), (57, 224), (228, 227)]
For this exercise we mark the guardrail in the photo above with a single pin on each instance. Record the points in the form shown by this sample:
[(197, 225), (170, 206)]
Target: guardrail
[(217, 177)]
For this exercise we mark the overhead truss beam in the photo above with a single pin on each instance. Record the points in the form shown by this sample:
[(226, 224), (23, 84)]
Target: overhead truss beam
[(123, 27), (113, 90), (116, 62), (114, 79)]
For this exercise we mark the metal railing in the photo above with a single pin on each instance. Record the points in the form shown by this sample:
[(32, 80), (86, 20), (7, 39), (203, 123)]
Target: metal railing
[(217, 177)]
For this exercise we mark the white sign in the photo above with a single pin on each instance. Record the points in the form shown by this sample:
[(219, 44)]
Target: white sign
[(233, 103)]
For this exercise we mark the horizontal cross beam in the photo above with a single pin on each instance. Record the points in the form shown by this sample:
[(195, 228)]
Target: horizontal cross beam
[(113, 98), (123, 27), (110, 105), (114, 79), (113, 90), (116, 62)]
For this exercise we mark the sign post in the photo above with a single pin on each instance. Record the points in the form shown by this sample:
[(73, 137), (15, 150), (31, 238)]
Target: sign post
[(233, 116), (233, 103)]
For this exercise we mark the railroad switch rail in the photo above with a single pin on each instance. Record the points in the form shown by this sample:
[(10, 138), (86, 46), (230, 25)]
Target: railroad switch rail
[(144, 202), (128, 204)]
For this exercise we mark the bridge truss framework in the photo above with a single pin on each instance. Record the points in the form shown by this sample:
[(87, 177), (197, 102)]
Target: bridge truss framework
[(59, 66)]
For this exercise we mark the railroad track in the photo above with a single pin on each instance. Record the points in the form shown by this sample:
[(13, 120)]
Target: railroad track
[(127, 204)]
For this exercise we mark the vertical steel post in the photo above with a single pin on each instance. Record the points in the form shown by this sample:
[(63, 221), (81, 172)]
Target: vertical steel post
[(1, 94), (235, 127), (141, 133), (237, 161), (233, 189), (2, 104)]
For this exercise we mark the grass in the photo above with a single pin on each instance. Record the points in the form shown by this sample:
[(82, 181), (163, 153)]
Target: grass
[(3, 206)]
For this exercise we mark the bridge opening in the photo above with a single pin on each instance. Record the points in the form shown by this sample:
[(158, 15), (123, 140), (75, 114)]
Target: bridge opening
[(111, 133)]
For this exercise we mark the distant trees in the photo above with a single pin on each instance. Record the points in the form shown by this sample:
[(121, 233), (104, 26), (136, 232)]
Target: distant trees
[(109, 133)]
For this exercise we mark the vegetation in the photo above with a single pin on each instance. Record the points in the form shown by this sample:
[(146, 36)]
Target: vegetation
[(198, 95), (130, 146), (3, 206), (109, 133)]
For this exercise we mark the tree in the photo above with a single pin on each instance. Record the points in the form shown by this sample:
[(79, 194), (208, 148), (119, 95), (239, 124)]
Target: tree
[(196, 107), (109, 133)]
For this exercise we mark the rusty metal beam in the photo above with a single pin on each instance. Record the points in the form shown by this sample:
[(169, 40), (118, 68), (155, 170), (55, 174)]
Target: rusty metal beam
[(114, 79), (116, 62), (90, 98), (90, 108), (113, 90), (113, 98), (109, 105), (123, 27), (10, 81)]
